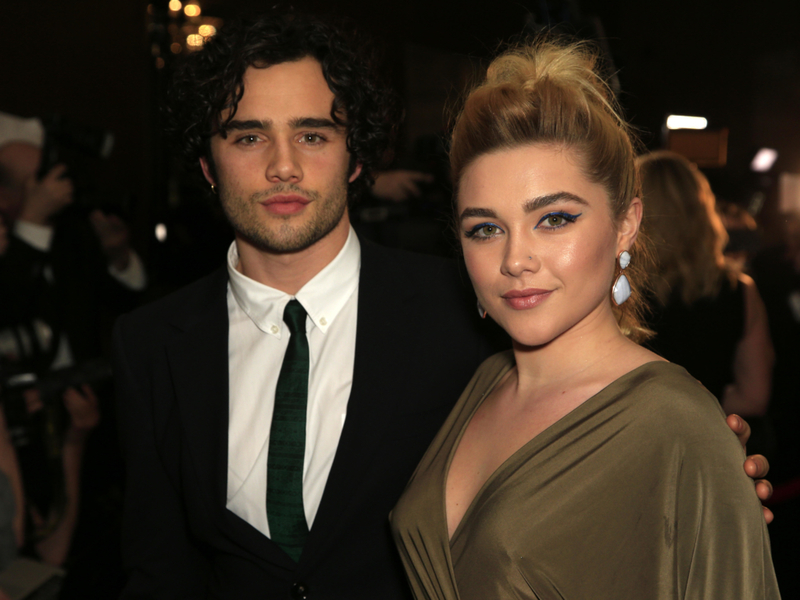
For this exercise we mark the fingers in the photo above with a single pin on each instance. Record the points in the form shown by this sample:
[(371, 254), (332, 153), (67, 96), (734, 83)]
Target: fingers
[(33, 400), (756, 466), (768, 516), (740, 428), (763, 489), (56, 173), (400, 184), (82, 407), (44, 199)]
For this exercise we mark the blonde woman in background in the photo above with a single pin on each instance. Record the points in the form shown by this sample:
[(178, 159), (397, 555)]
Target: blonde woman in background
[(578, 464), (707, 315)]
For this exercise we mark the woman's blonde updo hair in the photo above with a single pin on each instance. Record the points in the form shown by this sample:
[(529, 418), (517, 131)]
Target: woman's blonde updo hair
[(685, 229), (550, 92)]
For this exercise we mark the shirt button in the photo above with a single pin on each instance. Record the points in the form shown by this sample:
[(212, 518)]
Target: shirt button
[(323, 321), (299, 591), (274, 329)]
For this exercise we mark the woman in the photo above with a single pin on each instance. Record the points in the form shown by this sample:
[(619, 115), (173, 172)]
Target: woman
[(708, 316), (520, 494)]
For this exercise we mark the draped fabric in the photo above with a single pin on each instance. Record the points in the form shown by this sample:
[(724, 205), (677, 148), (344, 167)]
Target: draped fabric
[(637, 493)]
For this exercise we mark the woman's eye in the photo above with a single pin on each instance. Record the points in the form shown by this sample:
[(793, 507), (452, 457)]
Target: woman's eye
[(486, 230), (556, 220)]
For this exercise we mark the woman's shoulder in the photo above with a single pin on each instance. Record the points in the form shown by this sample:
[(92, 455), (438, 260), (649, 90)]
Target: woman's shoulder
[(671, 401)]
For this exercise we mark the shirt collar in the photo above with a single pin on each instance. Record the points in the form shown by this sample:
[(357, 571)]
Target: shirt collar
[(323, 297)]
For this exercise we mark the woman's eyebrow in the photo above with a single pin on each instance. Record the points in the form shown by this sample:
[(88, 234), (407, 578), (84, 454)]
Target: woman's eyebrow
[(478, 212), (541, 201)]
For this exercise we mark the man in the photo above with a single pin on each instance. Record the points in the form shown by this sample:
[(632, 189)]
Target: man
[(286, 122), (58, 265)]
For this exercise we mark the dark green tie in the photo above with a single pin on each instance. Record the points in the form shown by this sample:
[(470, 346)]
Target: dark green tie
[(287, 440)]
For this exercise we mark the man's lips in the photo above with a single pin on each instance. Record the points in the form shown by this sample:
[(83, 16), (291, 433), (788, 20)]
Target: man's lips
[(527, 298), (285, 204)]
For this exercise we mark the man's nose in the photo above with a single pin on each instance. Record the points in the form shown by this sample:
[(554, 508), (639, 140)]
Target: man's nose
[(283, 163)]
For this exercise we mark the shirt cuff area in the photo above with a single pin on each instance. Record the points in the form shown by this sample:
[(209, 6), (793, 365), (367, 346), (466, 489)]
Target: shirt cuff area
[(38, 236), (133, 276)]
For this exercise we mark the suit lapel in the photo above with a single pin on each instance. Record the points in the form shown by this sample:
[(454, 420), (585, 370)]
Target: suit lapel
[(198, 362)]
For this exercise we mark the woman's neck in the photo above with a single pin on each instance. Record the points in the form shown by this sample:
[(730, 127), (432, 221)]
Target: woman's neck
[(593, 353)]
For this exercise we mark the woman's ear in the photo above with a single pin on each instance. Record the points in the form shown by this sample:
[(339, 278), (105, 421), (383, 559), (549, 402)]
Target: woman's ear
[(628, 228)]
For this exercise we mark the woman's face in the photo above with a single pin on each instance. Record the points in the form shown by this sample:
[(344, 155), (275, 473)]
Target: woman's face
[(540, 242)]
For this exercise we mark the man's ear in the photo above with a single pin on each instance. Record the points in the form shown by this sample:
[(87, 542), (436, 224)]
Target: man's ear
[(354, 175), (207, 171), (628, 229)]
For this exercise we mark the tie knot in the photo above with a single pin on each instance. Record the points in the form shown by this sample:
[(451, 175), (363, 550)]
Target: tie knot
[(295, 317)]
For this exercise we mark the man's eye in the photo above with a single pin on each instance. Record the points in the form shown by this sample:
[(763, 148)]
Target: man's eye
[(248, 139), (312, 138)]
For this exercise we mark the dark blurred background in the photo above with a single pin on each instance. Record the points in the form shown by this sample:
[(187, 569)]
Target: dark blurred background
[(106, 65)]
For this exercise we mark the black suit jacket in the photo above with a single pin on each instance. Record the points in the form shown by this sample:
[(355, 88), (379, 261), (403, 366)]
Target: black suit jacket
[(418, 342)]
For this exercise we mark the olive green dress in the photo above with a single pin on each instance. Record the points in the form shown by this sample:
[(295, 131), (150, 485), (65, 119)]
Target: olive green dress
[(638, 493)]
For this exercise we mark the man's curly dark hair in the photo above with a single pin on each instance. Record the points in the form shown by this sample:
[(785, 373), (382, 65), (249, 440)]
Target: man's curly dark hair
[(209, 83)]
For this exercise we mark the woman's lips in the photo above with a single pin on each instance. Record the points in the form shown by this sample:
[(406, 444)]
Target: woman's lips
[(523, 299), (285, 204)]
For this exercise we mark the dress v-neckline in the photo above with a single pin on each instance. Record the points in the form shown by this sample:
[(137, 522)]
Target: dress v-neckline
[(525, 447)]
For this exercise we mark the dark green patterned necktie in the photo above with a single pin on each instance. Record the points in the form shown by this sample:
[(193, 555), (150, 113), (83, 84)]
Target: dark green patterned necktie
[(287, 440)]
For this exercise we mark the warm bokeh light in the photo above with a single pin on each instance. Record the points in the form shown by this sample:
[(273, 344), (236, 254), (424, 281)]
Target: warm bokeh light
[(175, 47), (763, 160), (150, 9), (159, 63), (194, 40), (191, 10), (175, 5), (686, 122), (206, 30), (161, 232)]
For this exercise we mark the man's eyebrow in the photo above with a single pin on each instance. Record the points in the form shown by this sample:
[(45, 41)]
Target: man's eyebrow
[(541, 201), (477, 212), (296, 123), (314, 123), (236, 125)]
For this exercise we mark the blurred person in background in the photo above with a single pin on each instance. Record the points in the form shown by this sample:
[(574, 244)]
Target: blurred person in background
[(66, 269), (707, 315), (59, 263), (744, 240)]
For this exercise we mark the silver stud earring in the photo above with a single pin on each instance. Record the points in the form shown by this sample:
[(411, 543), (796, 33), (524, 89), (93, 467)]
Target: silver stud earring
[(481, 310), (621, 290)]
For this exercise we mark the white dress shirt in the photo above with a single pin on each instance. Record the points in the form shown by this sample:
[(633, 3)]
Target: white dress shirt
[(257, 341)]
